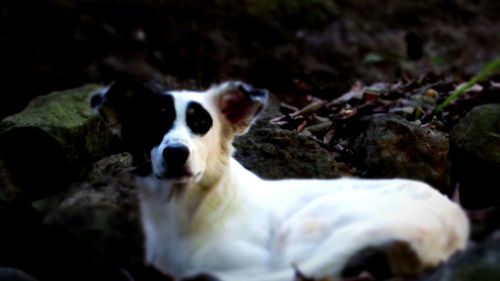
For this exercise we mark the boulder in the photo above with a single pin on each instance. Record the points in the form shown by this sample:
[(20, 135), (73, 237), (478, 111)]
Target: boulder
[(13, 274), (390, 146), (96, 224), (102, 213), (8, 190), (275, 153), (475, 156), (90, 231), (52, 142), (478, 263)]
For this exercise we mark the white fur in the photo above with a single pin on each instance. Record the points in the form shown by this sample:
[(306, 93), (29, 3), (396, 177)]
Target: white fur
[(228, 222)]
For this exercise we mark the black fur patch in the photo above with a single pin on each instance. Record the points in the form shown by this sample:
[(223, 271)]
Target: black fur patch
[(145, 116), (198, 119), (144, 128), (148, 120)]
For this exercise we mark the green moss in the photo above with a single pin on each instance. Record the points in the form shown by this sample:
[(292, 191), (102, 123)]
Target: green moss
[(66, 117), (59, 133), (68, 108)]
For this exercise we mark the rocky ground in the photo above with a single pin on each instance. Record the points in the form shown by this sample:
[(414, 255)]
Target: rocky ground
[(355, 84)]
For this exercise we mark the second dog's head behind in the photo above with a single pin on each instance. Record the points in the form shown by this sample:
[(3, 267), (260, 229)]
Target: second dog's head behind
[(181, 136)]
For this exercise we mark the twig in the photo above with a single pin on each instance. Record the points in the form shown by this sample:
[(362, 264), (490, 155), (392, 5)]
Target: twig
[(289, 107), (319, 127), (314, 106)]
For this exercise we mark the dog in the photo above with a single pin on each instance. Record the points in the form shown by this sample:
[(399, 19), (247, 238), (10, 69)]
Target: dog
[(204, 213)]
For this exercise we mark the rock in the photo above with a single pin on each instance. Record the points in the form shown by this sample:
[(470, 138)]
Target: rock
[(102, 213), (12, 274), (475, 156), (8, 190), (90, 231), (389, 146), (52, 141), (483, 223), (478, 263), (275, 153)]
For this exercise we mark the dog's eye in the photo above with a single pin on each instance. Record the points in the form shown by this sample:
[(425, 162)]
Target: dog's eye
[(198, 119)]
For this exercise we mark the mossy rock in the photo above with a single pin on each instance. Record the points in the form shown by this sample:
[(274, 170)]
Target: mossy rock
[(53, 141), (475, 155)]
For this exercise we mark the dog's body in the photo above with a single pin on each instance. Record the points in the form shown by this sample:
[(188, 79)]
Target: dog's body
[(203, 212)]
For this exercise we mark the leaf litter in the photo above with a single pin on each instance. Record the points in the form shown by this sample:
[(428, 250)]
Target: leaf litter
[(327, 121)]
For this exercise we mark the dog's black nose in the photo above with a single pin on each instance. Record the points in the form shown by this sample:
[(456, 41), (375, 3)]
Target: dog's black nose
[(175, 155)]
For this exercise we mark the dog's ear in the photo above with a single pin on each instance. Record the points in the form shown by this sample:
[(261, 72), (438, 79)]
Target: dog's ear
[(239, 103)]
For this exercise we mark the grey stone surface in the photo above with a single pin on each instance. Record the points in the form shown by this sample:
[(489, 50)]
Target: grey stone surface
[(389, 146), (275, 153), (102, 212), (479, 263), (13, 274)]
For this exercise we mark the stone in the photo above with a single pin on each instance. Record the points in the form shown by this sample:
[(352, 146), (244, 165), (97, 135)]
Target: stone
[(477, 263), (90, 231), (389, 146), (13, 274), (475, 156), (8, 190), (102, 213), (52, 142), (275, 153)]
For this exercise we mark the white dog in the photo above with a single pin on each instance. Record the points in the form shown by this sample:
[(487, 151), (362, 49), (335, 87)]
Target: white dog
[(202, 212)]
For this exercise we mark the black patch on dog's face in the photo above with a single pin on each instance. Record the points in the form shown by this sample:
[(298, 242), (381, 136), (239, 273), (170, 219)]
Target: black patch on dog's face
[(145, 126), (198, 119), (144, 116), (146, 122)]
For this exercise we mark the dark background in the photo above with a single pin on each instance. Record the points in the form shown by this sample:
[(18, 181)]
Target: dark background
[(280, 44)]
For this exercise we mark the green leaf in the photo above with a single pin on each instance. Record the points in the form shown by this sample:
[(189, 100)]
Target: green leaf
[(372, 58), (487, 71)]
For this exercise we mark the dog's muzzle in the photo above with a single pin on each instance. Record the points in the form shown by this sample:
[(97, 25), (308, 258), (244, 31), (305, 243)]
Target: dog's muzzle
[(175, 157)]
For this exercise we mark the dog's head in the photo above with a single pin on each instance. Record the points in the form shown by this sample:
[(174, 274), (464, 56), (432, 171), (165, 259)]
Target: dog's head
[(181, 136)]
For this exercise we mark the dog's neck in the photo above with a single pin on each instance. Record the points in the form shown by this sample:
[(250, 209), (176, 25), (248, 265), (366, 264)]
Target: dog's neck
[(197, 206), (203, 203)]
